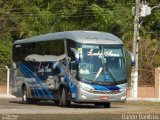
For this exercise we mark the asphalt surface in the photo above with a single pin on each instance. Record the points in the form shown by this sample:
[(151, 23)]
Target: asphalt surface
[(9, 107)]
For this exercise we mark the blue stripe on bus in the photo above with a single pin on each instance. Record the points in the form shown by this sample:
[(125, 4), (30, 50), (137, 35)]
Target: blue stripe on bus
[(96, 87), (72, 86), (58, 66), (104, 88), (99, 87), (39, 80), (25, 74), (30, 75), (113, 87)]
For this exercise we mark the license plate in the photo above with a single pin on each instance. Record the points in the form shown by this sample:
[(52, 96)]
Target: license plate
[(104, 98)]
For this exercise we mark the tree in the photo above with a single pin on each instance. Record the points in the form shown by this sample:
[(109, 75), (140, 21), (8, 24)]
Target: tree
[(25, 18)]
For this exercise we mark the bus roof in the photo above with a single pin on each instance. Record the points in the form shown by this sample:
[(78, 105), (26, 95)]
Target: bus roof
[(88, 37)]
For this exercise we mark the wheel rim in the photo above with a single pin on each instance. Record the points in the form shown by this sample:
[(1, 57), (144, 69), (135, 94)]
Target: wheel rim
[(24, 96), (62, 98)]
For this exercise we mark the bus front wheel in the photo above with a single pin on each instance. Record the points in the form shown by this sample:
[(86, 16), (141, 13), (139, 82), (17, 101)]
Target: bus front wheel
[(56, 102), (107, 105), (64, 102)]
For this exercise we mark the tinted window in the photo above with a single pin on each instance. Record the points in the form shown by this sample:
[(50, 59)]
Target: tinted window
[(70, 44), (22, 50), (55, 47)]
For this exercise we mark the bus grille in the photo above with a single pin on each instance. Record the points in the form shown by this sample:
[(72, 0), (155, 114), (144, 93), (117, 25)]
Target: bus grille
[(103, 92)]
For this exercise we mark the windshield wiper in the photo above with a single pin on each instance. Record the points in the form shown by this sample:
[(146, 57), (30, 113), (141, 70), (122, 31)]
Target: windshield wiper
[(106, 68), (98, 73), (114, 80)]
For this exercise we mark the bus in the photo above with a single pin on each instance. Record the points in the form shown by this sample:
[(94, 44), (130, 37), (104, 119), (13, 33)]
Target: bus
[(70, 66)]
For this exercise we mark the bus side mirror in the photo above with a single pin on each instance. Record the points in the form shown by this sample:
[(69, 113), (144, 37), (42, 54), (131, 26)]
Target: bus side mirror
[(76, 55), (132, 58)]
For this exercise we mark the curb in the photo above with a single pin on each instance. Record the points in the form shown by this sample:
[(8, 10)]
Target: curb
[(144, 99), (7, 96)]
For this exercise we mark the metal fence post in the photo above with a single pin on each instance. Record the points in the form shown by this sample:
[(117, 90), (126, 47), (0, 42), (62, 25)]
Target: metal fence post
[(8, 77), (157, 84)]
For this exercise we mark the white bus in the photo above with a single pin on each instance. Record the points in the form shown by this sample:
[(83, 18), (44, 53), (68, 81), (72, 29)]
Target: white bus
[(71, 66)]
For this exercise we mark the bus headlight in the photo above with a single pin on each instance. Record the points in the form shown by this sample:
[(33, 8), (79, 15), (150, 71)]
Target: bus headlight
[(85, 86), (123, 97), (122, 87)]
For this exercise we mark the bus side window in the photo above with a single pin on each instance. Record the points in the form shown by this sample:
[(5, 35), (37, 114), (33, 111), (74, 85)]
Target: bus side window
[(19, 53), (55, 47), (60, 47)]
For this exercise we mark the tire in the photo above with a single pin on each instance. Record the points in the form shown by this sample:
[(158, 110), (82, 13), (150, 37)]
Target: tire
[(107, 105), (25, 99), (24, 95), (63, 100), (32, 101), (56, 102), (98, 104)]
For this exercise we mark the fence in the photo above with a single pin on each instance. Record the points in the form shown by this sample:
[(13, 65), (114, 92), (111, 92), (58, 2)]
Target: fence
[(3, 81), (149, 90)]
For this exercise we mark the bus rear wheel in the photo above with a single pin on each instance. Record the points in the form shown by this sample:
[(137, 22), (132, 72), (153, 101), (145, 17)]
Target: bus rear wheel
[(25, 99), (24, 95), (64, 102)]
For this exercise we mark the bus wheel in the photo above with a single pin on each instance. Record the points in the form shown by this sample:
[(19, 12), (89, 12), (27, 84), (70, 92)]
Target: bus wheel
[(63, 100), (56, 102), (25, 99), (98, 104), (32, 101), (107, 105)]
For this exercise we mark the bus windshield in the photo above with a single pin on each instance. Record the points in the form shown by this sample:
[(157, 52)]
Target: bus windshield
[(102, 64)]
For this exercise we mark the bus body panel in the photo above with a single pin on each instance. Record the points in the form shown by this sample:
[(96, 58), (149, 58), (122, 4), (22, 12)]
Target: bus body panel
[(38, 69)]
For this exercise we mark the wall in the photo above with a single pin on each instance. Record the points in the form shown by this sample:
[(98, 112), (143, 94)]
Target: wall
[(149, 92), (144, 92), (3, 89)]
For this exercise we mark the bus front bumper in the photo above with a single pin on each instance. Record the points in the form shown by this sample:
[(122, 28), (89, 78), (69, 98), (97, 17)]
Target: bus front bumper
[(85, 96)]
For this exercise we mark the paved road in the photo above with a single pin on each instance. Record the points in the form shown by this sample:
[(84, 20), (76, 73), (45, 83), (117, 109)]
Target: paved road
[(14, 106)]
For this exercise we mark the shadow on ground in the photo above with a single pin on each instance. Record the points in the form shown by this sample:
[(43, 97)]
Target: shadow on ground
[(73, 105)]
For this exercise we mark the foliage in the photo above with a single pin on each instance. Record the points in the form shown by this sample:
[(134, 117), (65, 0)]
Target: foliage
[(26, 18), (5, 51)]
